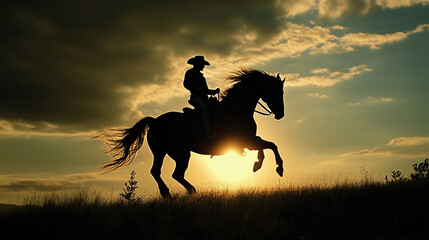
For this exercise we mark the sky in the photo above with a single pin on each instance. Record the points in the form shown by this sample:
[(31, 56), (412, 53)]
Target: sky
[(355, 97)]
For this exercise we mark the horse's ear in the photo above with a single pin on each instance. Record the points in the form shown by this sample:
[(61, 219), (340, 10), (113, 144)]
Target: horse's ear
[(278, 76), (284, 79)]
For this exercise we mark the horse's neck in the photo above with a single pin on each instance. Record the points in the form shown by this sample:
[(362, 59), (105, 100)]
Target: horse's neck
[(242, 105)]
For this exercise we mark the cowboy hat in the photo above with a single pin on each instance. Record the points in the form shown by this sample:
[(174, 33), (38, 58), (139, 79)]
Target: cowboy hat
[(198, 60)]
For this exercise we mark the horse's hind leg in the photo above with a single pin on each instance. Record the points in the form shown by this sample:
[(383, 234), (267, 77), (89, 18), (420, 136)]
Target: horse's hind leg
[(158, 159), (182, 162)]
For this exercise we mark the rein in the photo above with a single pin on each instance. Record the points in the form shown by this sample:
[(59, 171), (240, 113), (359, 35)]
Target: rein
[(268, 113)]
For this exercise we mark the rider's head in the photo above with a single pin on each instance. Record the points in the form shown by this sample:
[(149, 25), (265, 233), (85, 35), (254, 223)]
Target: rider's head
[(199, 67), (198, 62)]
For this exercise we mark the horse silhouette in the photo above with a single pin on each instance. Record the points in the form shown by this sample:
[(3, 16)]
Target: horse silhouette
[(177, 134)]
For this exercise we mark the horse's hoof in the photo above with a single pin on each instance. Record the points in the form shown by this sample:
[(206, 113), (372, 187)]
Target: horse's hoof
[(257, 166), (165, 194), (166, 197), (279, 170), (192, 191)]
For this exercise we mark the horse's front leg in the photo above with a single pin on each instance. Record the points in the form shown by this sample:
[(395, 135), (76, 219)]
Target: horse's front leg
[(261, 144), (258, 164)]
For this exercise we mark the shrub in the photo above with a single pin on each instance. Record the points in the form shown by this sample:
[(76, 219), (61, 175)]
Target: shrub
[(397, 177), (421, 171), (129, 193)]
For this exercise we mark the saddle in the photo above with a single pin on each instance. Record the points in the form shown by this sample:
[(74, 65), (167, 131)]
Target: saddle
[(189, 111), (212, 103)]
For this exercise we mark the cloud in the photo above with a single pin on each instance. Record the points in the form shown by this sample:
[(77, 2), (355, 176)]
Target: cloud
[(350, 41), (296, 7), (11, 183), (334, 9), (299, 121), (374, 41), (296, 39), (409, 141), (25, 129), (70, 73), (328, 79), (318, 95), (319, 71), (31, 185), (372, 100), (408, 147), (400, 3), (70, 69), (369, 152)]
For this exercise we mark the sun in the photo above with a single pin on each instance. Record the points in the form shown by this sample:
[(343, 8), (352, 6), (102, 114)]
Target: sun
[(232, 168)]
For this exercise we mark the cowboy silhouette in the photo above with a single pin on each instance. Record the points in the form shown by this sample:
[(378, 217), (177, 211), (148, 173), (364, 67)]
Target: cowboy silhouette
[(175, 134), (196, 83)]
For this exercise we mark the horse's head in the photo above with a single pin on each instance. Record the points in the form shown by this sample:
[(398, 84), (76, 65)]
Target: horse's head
[(261, 84), (271, 90)]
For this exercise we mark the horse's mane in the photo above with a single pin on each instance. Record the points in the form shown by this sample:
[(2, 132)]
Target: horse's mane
[(241, 77)]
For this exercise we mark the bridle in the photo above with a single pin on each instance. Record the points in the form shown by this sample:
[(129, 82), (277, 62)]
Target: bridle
[(268, 113)]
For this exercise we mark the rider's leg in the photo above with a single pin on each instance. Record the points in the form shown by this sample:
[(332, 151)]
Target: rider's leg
[(199, 104)]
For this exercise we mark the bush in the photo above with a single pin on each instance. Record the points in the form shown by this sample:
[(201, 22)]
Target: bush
[(421, 171), (129, 193), (397, 177)]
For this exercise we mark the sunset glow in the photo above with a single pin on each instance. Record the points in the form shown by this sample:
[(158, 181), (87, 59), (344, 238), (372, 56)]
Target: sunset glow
[(356, 89), (232, 168)]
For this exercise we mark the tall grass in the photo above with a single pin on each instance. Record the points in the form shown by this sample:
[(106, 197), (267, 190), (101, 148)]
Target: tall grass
[(77, 197), (365, 210)]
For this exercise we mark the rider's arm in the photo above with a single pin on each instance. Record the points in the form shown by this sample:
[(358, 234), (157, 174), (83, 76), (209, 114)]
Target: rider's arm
[(206, 89)]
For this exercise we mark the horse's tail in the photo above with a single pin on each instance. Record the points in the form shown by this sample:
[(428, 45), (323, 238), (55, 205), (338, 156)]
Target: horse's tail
[(123, 144)]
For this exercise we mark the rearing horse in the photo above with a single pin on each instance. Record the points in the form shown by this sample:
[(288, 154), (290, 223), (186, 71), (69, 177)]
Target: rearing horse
[(177, 134)]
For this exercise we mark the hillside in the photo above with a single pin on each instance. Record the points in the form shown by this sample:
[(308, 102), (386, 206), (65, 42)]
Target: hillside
[(350, 211)]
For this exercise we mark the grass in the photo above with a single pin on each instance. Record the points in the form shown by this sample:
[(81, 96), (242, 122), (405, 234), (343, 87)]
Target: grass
[(345, 211)]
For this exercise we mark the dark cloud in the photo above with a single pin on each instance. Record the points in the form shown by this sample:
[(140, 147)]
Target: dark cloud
[(72, 183), (31, 185), (63, 63)]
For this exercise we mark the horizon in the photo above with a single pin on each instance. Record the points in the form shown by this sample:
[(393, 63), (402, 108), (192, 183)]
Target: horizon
[(355, 96)]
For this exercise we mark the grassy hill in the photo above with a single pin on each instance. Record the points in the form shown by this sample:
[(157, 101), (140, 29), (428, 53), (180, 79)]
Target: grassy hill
[(397, 210)]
